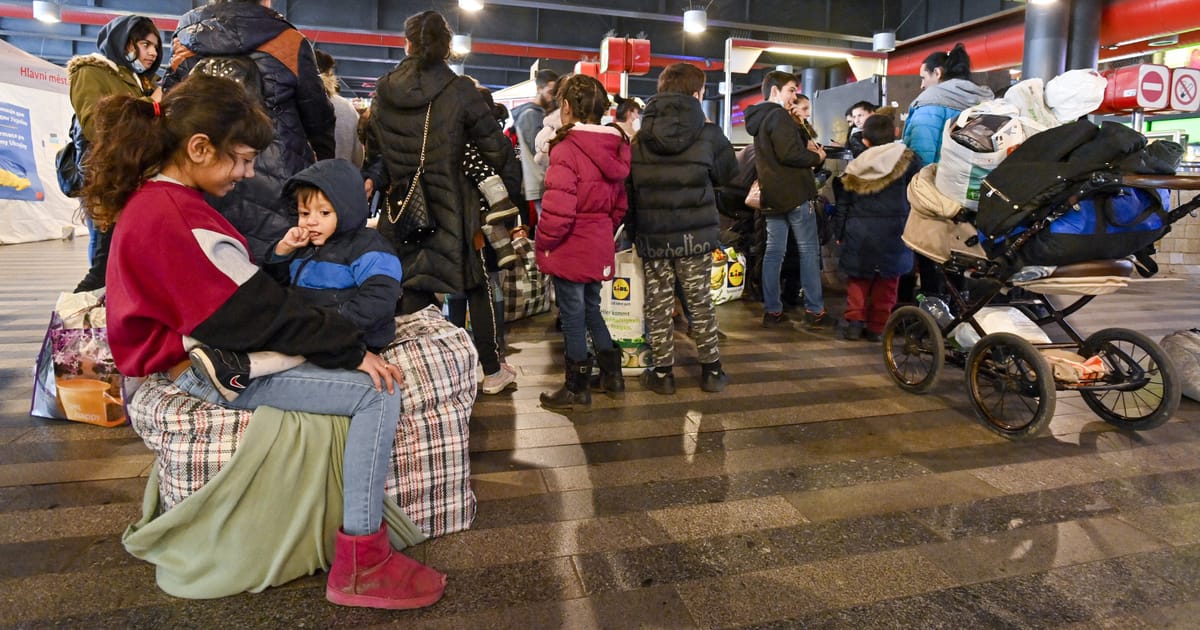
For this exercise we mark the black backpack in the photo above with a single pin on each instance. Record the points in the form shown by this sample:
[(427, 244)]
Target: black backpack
[(68, 162), (240, 69)]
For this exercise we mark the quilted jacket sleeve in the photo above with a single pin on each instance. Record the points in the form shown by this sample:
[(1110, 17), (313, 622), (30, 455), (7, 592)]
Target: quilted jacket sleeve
[(561, 200)]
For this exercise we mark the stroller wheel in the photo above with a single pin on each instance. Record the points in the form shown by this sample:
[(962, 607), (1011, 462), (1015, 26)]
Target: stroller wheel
[(1146, 387), (912, 349), (1011, 385)]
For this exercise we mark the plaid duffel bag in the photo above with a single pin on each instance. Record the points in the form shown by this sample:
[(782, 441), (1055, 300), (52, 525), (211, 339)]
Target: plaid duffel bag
[(429, 475), (526, 290)]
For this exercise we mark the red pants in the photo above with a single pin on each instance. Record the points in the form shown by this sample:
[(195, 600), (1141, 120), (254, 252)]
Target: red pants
[(871, 300)]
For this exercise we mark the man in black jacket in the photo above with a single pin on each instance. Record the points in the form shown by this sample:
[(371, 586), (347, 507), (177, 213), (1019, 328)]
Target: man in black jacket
[(785, 157)]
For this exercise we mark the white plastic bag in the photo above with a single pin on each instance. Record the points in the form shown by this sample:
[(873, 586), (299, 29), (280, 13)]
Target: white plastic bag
[(997, 319), (961, 170), (1075, 93), (728, 280), (621, 304)]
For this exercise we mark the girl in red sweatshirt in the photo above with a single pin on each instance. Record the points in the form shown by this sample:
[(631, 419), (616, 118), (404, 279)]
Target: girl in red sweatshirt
[(178, 271), (583, 204)]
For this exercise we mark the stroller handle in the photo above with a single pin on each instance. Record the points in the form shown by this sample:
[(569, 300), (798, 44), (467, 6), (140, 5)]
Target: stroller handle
[(1174, 182)]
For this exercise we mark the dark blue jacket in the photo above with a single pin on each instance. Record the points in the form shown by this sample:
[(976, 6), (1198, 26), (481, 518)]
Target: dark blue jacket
[(356, 272), (293, 95), (872, 208)]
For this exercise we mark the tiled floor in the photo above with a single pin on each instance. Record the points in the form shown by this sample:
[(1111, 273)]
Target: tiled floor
[(812, 493)]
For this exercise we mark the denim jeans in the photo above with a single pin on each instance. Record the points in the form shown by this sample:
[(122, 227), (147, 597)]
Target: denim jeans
[(803, 224), (373, 418), (579, 312)]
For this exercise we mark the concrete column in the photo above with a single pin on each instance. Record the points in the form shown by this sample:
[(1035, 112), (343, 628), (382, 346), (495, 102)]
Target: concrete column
[(1083, 47), (812, 80), (1046, 27), (837, 76)]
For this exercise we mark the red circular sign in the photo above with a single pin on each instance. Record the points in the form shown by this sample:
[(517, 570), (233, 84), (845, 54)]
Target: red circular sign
[(1185, 90), (1152, 86)]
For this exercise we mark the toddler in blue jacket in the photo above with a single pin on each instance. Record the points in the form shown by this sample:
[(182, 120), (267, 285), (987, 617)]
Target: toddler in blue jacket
[(332, 260)]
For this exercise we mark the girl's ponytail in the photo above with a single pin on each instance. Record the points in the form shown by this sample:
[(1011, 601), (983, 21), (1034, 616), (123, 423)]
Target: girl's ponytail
[(561, 134), (132, 143)]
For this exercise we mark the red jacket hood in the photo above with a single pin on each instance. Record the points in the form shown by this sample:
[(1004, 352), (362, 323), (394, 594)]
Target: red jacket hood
[(602, 145)]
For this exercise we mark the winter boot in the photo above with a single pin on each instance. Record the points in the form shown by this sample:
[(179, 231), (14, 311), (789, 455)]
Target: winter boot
[(576, 393), (500, 207), (366, 572), (612, 381)]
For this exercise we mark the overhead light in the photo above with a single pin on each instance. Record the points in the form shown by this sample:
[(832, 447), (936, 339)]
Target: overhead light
[(788, 50), (1164, 41), (695, 21), (883, 41), (48, 12), (460, 44), (470, 5), (1042, 2)]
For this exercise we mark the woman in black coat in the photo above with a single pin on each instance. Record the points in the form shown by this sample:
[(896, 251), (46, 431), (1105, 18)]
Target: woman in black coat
[(291, 90), (448, 261)]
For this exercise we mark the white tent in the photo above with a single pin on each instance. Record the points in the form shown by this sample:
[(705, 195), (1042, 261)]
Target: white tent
[(35, 114)]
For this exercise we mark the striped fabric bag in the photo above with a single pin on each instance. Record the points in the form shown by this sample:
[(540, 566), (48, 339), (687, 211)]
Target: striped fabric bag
[(429, 476)]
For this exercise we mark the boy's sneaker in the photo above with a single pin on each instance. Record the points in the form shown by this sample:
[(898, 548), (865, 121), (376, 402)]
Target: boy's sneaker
[(504, 378), (775, 320), (872, 336), (713, 380), (228, 371), (815, 320), (658, 383)]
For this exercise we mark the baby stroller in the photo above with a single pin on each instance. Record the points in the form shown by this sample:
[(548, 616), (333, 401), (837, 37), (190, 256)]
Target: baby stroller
[(1122, 375)]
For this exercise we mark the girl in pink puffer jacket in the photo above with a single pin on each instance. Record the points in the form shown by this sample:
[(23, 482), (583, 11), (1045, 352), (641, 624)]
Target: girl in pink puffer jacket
[(583, 204)]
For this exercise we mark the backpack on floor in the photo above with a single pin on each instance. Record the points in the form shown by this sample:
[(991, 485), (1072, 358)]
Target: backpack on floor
[(1184, 349)]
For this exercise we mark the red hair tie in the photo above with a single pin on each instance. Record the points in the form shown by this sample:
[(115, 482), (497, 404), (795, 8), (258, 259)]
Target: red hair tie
[(157, 109)]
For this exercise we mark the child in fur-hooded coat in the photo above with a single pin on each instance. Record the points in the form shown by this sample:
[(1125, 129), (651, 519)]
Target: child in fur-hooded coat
[(872, 208)]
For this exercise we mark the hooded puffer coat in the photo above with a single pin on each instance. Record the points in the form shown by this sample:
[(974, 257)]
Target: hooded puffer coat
[(293, 95), (872, 208), (355, 272), (679, 160), (584, 203), (447, 261), (108, 72)]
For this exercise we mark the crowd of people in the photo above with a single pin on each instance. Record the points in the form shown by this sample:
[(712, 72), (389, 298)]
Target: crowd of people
[(230, 211)]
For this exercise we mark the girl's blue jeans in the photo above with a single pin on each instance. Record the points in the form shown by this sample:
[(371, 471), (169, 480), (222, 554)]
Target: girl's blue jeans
[(373, 418)]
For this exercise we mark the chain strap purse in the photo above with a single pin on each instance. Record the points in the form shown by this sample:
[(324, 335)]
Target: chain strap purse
[(406, 210)]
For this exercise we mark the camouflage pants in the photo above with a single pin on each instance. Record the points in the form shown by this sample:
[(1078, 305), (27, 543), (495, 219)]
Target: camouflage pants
[(694, 273)]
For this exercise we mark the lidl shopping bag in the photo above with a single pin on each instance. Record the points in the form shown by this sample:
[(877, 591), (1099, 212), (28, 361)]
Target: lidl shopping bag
[(621, 304), (526, 290), (728, 275), (75, 377)]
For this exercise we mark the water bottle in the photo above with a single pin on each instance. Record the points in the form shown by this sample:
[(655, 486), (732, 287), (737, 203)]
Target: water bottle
[(938, 308)]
